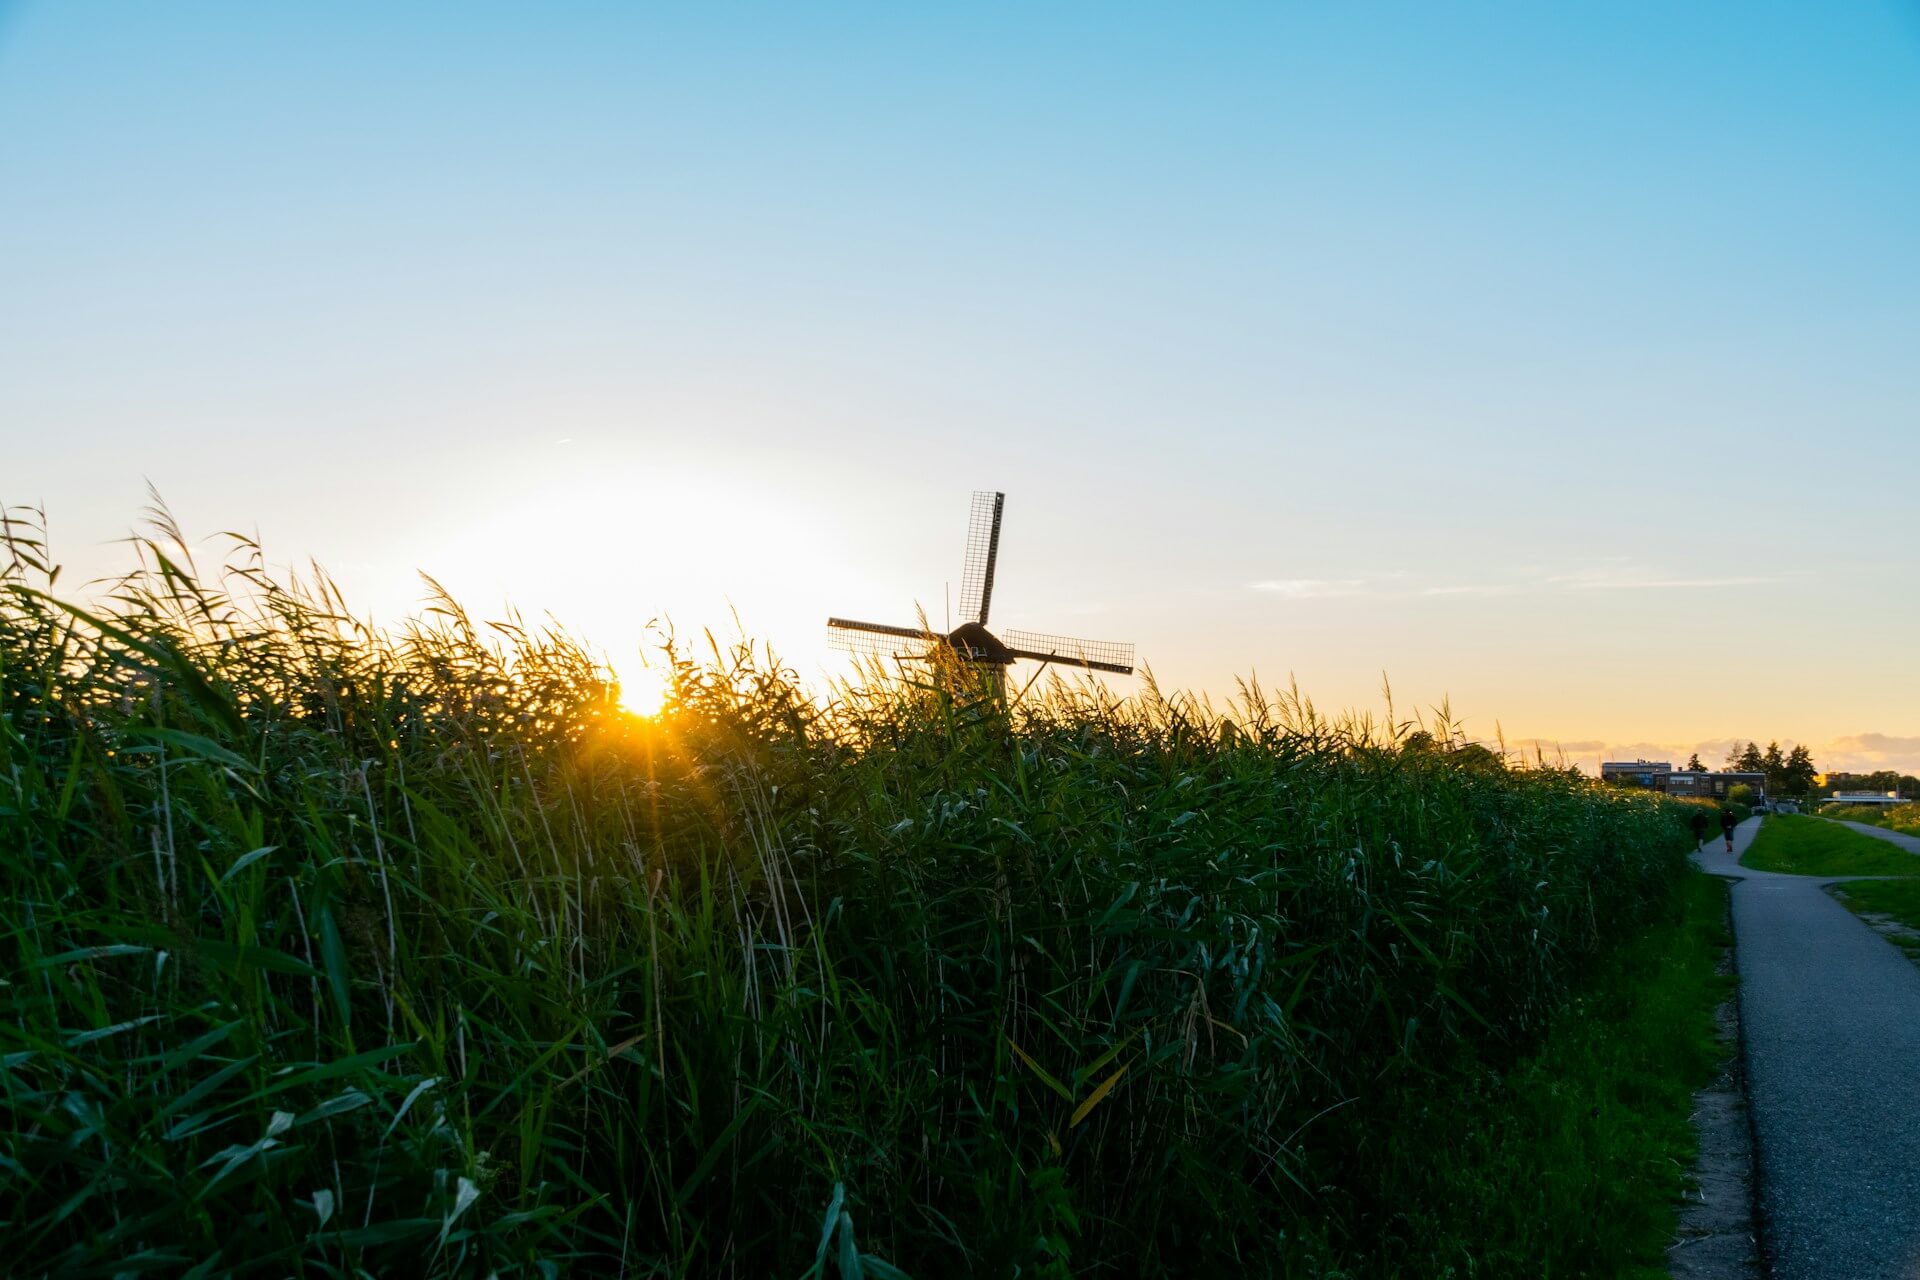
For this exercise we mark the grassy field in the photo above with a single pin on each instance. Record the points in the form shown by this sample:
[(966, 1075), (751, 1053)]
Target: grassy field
[(1810, 846), (1899, 899), (331, 951), (1904, 818)]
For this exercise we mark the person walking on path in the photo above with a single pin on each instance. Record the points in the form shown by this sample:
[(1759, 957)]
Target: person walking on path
[(1727, 823), (1699, 830)]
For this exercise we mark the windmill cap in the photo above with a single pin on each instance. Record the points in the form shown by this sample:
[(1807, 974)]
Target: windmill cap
[(977, 644)]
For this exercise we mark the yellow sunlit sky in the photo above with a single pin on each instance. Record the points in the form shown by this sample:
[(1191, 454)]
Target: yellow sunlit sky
[(1561, 366)]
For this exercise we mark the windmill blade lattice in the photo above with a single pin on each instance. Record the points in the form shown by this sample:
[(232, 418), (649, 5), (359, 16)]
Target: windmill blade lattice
[(1101, 655), (983, 552), (879, 640)]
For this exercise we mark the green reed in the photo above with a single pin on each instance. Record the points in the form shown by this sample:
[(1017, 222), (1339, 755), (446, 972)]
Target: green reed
[(340, 951)]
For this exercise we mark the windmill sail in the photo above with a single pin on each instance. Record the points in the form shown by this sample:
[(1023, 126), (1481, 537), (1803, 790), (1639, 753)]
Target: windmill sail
[(983, 550), (970, 642), (1098, 655), (879, 640)]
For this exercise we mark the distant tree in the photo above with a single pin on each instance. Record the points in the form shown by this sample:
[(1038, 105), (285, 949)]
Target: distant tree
[(1799, 773), (1466, 755), (1694, 765), (1774, 765), (1750, 760), (1476, 758), (1741, 794)]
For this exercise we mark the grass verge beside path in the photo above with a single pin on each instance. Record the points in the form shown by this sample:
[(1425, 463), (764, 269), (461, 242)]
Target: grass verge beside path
[(1899, 899), (1901, 818), (1806, 846), (1572, 1163)]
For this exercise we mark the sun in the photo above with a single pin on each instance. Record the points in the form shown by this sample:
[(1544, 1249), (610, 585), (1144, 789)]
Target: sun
[(644, 690)]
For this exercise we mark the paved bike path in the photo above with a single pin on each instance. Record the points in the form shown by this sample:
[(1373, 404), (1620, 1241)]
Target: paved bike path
[(1909, 843), (1830, 1017)]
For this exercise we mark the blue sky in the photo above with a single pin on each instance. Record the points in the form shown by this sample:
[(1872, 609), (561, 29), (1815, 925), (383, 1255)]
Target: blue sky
[(1560, 361)]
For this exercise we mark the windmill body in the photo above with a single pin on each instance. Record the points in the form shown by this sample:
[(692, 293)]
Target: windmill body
[(971, 641)]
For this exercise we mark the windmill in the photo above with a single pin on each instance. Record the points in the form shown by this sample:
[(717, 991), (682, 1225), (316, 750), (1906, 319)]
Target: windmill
[(971, 641)]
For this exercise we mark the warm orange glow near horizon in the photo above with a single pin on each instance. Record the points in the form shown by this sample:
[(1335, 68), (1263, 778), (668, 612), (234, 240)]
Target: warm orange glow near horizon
[(644, 690)]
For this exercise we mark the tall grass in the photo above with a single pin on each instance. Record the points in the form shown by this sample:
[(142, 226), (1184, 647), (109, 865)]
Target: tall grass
[(340, 951)]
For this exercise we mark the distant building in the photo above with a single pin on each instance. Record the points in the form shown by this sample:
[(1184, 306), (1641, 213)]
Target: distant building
[(1635, 773), (1879, 784), (1865, 797), (1712, 785)]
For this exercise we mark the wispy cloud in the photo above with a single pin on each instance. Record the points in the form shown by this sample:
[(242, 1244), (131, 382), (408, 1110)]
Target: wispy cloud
[(1866, 752), (1311, 588), (1480, 589), (1631, 578), (1555, 748), (1612, 574)]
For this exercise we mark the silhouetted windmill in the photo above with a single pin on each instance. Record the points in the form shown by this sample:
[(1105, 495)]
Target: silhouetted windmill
[(971, 641)]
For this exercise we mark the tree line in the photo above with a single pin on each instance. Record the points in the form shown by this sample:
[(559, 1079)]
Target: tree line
[(1788, 773), (1881, 780), (1793, 773)]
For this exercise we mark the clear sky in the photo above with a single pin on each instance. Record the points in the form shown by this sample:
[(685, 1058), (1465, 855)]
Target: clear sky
[(1561, 360)]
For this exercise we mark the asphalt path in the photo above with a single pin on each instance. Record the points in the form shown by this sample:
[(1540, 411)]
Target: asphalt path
[(1830, 1020), (1909, 843)]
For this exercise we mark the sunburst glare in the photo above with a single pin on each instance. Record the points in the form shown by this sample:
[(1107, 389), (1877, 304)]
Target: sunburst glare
[(644, 690)]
